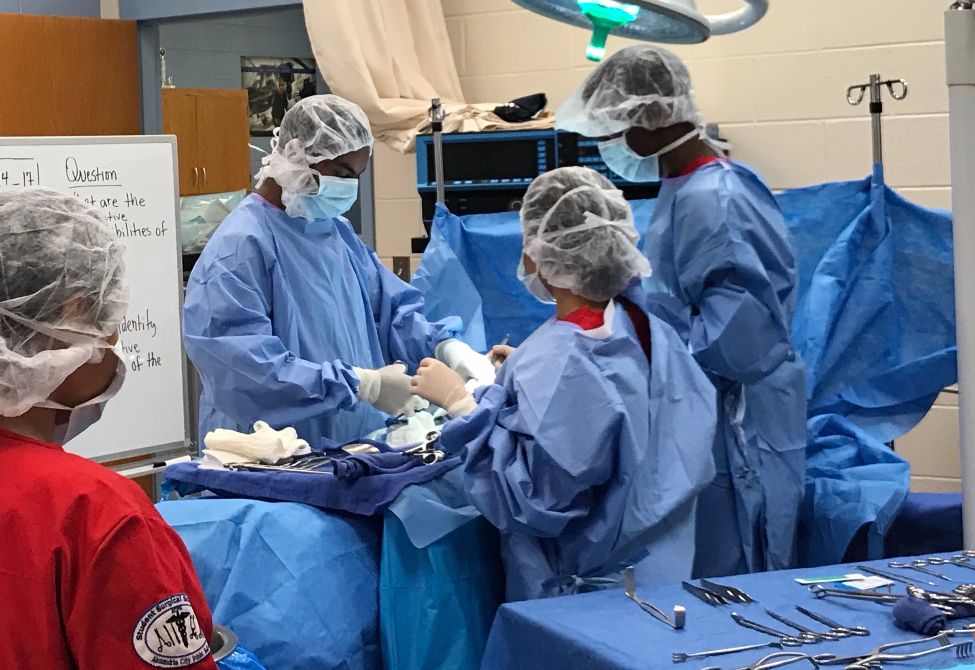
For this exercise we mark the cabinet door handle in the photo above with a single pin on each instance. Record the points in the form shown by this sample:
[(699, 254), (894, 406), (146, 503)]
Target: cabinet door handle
[(204, 176), (196, 176)]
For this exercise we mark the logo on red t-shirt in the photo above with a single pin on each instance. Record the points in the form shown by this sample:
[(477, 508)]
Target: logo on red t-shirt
[(169, 636)]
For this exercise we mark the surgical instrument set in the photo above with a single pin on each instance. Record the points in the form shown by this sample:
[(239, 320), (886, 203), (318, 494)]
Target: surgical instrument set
[(952, 604)]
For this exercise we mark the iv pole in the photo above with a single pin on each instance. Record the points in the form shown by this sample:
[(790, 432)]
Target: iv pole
[(854, 96), (437, 115), (960, 59)]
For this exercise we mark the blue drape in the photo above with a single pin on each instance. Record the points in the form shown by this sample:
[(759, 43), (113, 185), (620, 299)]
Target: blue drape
[(875, 326)]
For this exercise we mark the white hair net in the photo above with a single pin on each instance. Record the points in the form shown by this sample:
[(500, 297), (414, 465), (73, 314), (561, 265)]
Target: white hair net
[(317, 128), (640, 86), (578, 228), (62, 292)]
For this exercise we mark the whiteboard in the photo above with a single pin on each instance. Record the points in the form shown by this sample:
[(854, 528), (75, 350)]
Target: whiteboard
[(132, 180)]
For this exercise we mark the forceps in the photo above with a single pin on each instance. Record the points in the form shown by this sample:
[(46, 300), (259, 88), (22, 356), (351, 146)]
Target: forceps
[(919, 565), (842, 631), (784, 638), (828, 635), (891, 576)]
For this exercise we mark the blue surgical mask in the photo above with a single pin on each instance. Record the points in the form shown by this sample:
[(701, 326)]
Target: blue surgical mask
[(534, 285), (622, 160), (334, 198), (628, 164)]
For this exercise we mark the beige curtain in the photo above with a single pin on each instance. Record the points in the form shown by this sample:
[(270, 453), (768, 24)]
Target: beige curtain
[(391, 57)]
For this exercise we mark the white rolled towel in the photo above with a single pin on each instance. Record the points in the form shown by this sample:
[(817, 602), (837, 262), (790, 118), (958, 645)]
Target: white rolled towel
[(264, 445)]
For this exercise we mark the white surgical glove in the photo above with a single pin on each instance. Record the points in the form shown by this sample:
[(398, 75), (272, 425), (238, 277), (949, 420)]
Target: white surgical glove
[(388, 389), (499, 354), (466, 362), (443, 387)]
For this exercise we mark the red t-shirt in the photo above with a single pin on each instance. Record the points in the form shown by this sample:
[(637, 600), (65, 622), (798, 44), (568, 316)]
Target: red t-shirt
[(586, 317), (694, 165), (90, 575)]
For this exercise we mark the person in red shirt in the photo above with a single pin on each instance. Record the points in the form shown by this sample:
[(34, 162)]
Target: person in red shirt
[(90, 575)]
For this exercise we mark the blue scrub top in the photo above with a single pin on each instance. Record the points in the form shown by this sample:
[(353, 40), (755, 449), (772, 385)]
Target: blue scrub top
[(725, 277), (586, 457), (278, 310)]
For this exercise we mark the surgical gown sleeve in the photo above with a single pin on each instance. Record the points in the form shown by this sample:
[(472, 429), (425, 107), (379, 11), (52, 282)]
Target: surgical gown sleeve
[(726, 249), (536, 449), (228, 336), (404, 332)]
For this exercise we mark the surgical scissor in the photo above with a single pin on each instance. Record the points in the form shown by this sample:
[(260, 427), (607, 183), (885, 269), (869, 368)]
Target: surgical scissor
[(920, 565)]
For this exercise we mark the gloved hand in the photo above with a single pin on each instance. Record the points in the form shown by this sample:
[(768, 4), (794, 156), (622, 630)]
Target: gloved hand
[(499, 354), (443, 387), (466, 362), (387, 389)]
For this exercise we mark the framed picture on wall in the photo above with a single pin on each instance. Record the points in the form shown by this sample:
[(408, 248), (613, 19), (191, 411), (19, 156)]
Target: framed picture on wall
[(273, 86)]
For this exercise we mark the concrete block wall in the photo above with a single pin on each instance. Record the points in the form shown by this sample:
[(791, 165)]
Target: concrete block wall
[(932, 447), (778, 90), (397, 208)]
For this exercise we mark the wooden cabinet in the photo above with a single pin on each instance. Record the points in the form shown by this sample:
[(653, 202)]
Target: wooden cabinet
[(212, 131), (68, 76)]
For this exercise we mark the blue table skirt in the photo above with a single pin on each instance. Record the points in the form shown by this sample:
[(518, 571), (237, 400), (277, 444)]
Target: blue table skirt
[(927, 523), (297, 585), (606, 631)]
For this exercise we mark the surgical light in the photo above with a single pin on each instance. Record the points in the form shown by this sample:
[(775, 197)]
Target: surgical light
[(605, 16), (669, 21)]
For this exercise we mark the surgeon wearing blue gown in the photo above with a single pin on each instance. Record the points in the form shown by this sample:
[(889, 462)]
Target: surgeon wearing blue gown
[(725, 269), (590, 448), (289, 318)]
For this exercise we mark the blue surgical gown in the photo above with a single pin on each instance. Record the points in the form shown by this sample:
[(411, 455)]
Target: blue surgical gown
[(278, 310), (724, 264), (586, 457)]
